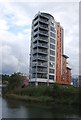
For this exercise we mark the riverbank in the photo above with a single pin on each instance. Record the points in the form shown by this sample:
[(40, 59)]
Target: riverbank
[(41, 99), (42, 94)]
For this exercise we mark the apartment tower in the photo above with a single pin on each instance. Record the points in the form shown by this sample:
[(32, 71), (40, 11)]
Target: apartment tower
[(48, 64)]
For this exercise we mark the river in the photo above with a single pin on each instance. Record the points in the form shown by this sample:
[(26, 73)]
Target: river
[(16, 109)]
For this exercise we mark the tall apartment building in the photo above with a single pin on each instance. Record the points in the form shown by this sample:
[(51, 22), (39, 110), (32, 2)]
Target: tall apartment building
[(48, 64)]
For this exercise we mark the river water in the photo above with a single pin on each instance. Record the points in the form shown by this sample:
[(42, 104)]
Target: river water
[(16, 109)]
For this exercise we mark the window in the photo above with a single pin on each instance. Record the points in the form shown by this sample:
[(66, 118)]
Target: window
[(52, 23), (52, 58), (52, 34), (52, 64), (52, 52), (51, 77), (52, 40), (51, 71), (52, 29), (52, 46), (33, 75)]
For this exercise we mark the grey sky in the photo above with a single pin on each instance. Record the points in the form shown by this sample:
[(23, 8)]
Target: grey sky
[(15, 32)]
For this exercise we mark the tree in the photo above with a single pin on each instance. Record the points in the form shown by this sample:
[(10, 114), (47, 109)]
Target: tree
[(14, 81)]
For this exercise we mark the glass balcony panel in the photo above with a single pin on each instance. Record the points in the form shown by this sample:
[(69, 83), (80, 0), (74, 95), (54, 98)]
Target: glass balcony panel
[(36, 20), (43, 20), (39, 64), (42, 76), (43, 32), (43, 51), (40, 57), (43, 26), (38, 70), (40, 44)]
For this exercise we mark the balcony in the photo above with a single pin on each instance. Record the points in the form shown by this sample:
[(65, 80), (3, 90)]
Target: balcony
[(36, 32), (35, 27), (44, 39), (42, 70), (43, 20), (34, 51), (43, 26), (43, 75), (36, 20), (39, 70), (44, 58), (42, 51), (39, 64), (35, 39), (41, 32), (44, 16), (40, 44)]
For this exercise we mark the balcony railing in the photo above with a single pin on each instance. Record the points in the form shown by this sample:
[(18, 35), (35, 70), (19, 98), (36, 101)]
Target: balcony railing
[(41, 32), (43, 51), (40, 76), (34, 51), (40, 64), (40, 57), (35, 21), (40, 51), (43, 26), (34, 39), (36, 26), (43, 20), (38, 70), (40, 44), (45, 16), (43, 38)]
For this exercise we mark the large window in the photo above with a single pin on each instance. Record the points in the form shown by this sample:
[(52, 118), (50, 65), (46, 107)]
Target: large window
[(52, 46), (52, 28), (52, 34), (51, 77), (51, 70), (52, 40), (52, 64), (52, 58), (52, 52)]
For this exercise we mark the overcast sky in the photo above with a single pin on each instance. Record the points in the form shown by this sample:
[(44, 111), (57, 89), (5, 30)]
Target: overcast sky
[(15, 32)]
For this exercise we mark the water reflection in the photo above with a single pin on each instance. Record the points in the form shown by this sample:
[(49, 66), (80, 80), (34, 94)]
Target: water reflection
[(16, 109), (0, 108)]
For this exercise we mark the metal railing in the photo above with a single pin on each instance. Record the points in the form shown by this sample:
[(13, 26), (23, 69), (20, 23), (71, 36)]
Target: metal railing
[(40, 57), (43, 32), (43, 51), (39, 70), (40, 64), (40, 44), (43, 26), (43, 20), (40, 51)]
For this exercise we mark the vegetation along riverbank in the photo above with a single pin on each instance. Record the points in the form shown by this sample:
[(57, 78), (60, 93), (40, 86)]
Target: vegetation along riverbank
[(57, 94)]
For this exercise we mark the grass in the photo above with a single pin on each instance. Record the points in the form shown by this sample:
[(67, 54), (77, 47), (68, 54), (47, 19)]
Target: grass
[(57, 94), (44, 99)]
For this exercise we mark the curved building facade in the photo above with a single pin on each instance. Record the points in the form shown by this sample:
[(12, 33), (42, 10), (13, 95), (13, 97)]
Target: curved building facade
[(43, 53)]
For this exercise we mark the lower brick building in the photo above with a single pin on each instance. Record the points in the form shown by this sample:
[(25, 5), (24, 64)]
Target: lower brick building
[(63, 71)]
